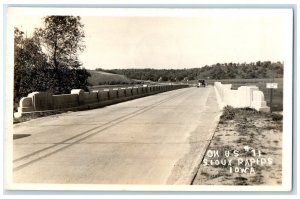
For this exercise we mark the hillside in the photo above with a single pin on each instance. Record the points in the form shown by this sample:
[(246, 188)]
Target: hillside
[(252, 70), (101, 78)]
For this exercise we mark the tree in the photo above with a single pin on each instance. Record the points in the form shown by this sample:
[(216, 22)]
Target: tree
[(62, 39), (28, 58), (28, 52), (58, 69)]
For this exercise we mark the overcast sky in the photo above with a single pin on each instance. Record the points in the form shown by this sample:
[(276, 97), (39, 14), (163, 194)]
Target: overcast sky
[(176, 42)]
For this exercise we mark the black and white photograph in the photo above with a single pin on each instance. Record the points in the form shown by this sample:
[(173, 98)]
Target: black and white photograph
[(149, 99)]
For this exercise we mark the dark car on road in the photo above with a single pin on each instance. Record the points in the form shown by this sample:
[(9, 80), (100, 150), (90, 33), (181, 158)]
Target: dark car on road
[(201, 83)]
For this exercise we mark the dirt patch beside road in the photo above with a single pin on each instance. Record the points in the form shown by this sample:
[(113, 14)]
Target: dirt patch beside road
[(246, 150)]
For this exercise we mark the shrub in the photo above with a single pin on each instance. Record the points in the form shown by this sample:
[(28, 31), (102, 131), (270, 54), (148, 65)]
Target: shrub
[(276, 117), (228, 113)]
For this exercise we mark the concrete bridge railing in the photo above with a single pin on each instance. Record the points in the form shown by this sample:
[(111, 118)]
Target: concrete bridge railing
[(80, 100), (244, 96)]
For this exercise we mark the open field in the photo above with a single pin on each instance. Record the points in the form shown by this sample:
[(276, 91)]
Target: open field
[(104, 87), (110, 87), (261, 84), (100, 77)]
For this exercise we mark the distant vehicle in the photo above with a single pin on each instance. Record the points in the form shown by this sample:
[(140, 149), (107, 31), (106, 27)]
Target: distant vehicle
[(201, 83)]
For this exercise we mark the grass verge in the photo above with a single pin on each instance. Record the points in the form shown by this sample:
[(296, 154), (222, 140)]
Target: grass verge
[(245, 150)]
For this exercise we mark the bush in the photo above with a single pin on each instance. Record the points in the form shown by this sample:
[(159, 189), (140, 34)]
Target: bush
[(44, 79), (228, 113), (276, 117)]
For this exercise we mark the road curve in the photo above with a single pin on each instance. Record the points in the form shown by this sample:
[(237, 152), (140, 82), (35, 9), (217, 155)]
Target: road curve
[(159, 139)]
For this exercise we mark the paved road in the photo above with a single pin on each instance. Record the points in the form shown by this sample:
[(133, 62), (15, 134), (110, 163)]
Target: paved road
[(158, 139)]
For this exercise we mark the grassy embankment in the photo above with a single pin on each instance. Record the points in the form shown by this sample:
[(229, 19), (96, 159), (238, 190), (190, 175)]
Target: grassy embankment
[(102, 78), (246, 150)]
